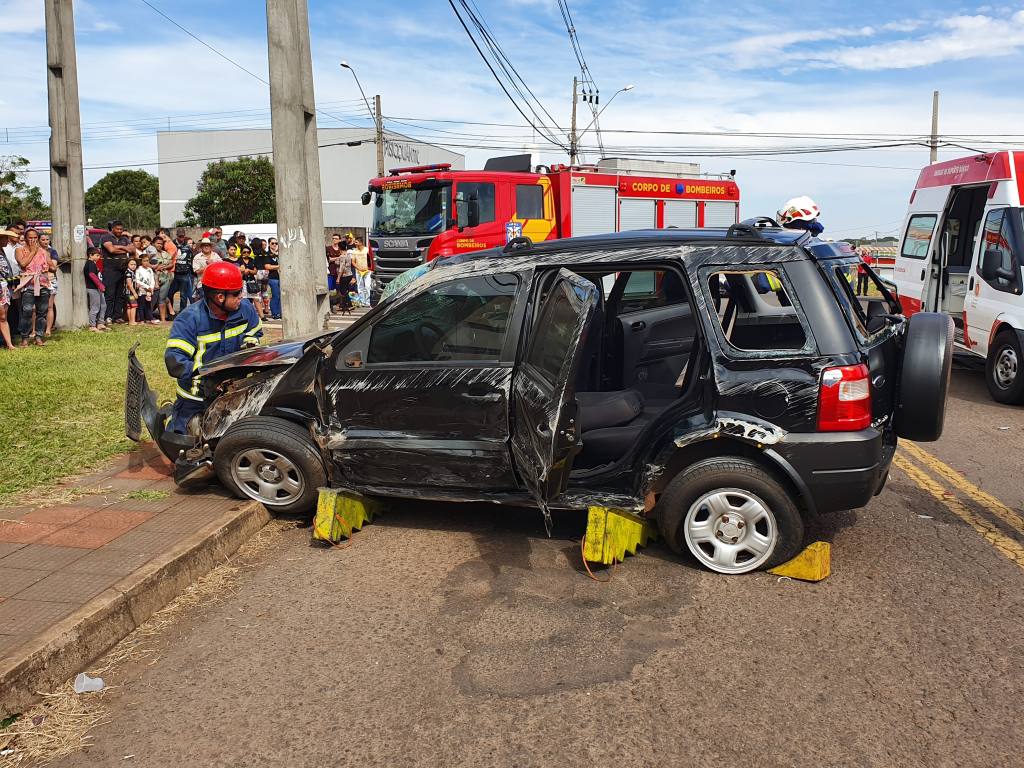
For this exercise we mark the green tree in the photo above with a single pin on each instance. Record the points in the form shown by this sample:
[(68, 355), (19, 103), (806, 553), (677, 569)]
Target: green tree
[(132, 196), (234, 191), (18, 198)]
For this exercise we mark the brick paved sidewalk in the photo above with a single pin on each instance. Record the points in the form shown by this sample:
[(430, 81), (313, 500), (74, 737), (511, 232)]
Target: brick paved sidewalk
[(54, 559)]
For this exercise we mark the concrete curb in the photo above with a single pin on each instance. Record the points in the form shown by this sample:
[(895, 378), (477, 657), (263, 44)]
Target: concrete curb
[(68, 647)]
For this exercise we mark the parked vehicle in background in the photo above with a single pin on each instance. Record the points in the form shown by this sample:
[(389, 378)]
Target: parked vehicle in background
[(726, 383), (960, 253), (430, 211)]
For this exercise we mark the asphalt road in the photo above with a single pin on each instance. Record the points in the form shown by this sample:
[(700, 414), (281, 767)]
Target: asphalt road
[(458, 635)]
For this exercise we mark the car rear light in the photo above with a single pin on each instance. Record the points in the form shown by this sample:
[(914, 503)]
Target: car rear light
[(844, 403)]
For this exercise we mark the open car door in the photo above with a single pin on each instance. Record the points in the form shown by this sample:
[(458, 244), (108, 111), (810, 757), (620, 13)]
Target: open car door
[(545, 435)]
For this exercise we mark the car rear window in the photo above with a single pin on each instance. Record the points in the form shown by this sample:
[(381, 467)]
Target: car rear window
[(755, 312)]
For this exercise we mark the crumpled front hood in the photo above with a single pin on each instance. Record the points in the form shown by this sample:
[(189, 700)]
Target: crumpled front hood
[(283, 353)]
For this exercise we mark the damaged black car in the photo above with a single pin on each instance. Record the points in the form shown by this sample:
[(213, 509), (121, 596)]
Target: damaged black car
[(726, 383)]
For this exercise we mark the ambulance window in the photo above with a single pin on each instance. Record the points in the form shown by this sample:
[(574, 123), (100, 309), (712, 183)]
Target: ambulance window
[(529, 201), (999, 239), (484, 191), (919, 235)]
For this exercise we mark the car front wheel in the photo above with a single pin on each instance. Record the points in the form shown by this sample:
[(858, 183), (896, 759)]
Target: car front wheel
[(272, 461), (731, 515), (1005, 368)]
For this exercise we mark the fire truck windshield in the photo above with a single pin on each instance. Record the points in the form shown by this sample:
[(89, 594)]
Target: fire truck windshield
[(411, 211)]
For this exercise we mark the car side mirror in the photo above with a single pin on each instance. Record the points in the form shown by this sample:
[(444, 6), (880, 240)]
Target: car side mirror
[(354, 359), (992, 266)]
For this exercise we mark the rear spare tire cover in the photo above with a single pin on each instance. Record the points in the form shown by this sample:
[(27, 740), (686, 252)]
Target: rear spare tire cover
[(924, 378)]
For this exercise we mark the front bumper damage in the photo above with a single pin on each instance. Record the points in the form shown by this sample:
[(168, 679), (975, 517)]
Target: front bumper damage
[(192, 458)]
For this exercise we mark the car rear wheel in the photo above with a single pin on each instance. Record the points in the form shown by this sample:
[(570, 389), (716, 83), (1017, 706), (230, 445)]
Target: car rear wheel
[(731, 515), (272, 461), (924, 376), (1004, 368)]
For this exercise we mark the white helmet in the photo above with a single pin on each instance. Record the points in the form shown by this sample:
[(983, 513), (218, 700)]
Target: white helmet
[(798, 209)]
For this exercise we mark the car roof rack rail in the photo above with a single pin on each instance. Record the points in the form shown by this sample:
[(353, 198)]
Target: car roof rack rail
[(750, 229), (517, 244)]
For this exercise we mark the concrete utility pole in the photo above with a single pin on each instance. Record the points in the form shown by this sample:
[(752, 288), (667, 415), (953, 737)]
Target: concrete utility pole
[(934, 143), (67, 188), (380, 135), (300, 218), (572, 127)]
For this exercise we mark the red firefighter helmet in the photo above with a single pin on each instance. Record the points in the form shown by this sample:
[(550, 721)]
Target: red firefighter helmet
[(222, 276)]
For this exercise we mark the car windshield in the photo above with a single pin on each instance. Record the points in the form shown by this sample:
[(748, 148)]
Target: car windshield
[(411, 211)]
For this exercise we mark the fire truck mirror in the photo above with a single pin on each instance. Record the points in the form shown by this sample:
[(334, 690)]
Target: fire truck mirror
[(467, 211), (365, 199)]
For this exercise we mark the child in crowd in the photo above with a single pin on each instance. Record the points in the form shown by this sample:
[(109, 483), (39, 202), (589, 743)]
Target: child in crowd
[(95, 290), (131, 290), (145, 285)]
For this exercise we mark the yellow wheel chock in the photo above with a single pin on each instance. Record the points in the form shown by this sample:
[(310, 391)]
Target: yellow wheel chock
[(611, 533), (340, 513), (813, 564)]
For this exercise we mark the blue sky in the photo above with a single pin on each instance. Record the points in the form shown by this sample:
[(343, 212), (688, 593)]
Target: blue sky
[(827, 67)]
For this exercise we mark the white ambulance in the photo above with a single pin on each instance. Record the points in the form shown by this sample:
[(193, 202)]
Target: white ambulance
[(961, 252)]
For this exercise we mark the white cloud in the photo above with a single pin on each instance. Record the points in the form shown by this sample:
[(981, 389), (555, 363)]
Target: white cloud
[(23, 16)]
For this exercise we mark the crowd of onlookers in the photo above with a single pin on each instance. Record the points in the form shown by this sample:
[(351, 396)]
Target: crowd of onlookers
[(28, 285), (142, 278)]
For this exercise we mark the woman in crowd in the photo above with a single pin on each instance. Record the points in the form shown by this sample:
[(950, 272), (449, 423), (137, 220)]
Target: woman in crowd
[(272, 265), (6, 280), (34, 286), (146, 288), (250, 285)]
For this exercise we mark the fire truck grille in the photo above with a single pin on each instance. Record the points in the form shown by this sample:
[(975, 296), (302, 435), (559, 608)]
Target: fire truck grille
[(389, 264)]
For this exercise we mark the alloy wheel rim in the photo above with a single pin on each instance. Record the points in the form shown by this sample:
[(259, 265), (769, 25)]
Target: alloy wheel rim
[(1005, 368), (267, 476), (730, 530)]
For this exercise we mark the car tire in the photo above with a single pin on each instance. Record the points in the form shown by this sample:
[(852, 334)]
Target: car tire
[(924, 377), (701, 507), (272, 461), (1004, 368)]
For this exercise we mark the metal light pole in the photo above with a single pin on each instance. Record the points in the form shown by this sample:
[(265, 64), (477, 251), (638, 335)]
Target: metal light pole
[(378, 119)]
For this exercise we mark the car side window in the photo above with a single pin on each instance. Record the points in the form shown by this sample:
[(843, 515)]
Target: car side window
[(999, 238), (650, 289), (462, 320), (918, 236), (754, 311)]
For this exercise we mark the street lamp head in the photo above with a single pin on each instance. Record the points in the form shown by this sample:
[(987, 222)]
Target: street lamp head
[(345, 65), (628, 87)]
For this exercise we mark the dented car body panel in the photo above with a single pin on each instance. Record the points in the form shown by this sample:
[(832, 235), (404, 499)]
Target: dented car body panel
[(492, 427)]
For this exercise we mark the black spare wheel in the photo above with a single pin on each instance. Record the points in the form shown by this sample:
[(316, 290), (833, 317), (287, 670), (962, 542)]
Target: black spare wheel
[(731, 514), (1004, 369), (272, 461), (924, 378)]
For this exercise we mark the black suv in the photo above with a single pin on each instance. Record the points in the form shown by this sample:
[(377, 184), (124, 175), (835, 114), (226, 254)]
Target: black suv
[(727, 383)]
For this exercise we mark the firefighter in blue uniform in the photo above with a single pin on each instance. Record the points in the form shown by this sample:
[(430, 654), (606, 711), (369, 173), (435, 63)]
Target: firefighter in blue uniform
[(218, 325)]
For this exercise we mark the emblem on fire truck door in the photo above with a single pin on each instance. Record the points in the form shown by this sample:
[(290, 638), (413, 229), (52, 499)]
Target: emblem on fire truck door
[(513, 229)]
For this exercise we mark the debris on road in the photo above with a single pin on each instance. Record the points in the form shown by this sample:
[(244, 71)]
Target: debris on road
[(86, 684)]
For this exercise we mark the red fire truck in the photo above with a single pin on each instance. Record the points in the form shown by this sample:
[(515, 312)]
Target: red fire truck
[(430, 211)]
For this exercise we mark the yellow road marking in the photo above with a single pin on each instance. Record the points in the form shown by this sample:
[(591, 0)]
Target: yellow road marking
[(986, 500), (1004, 544)]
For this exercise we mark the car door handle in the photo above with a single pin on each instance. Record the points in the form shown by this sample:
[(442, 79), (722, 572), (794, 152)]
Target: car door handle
[(639, 325), (922, 274), (490, 397)]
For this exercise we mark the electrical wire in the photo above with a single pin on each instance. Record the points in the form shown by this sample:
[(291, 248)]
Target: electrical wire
[(222, 55), (500, 82)]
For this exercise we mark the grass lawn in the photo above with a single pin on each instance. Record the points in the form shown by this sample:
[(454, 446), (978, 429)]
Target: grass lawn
[(62, 405)]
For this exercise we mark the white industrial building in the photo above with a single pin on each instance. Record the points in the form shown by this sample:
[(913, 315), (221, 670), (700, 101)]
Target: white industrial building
[(344, 169)]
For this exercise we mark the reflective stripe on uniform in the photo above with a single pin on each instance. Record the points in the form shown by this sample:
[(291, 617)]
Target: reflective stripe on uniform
[(206, 340), (181, 344), (255, 329), (186, 394)]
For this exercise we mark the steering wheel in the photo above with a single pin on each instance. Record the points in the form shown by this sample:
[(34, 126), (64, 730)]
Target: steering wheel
[(425, 345)]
